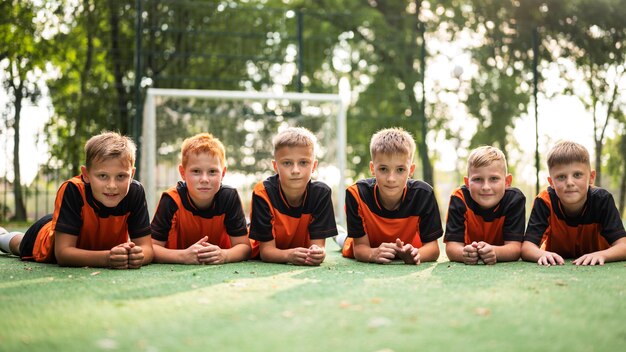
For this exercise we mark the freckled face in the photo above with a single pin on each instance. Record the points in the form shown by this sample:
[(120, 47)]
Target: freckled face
[(487, 184), (571, 183), (203, 174), (109, 180), (391, 172), (294, 166)]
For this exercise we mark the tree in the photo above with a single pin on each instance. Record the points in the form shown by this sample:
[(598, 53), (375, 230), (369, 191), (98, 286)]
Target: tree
[(616, 161), (592, 35), (94, 89), (387, 52), (23, 56), (500, 90)]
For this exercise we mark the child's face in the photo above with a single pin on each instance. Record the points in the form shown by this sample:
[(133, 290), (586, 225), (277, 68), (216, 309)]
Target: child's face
[(109, 179), (294, 166), (391, 172), (571, 182), (203, 174), (487, 184)]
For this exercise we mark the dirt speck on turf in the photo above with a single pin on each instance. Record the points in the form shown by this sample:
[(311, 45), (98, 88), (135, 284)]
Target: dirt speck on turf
[(107, 344), (482, 311), (378, 322), (560, 283), (287, 314)]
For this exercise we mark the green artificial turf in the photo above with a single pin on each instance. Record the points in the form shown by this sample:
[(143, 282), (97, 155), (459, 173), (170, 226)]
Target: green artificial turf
[(342, 305)]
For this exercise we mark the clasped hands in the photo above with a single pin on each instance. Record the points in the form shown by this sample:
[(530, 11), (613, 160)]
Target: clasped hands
[(476, 251), (388, 251)]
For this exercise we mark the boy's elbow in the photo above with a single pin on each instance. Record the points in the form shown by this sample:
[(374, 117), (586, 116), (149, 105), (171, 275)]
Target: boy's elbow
[(148, 256), (526, 252), (430, 252), (433, 256), (61, 257), (450, 252)]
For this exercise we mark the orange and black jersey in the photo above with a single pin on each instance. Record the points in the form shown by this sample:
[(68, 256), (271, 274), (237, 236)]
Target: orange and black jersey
[(273, 219), (180, 224), (78, 213), (416, 221), (595, 229), (468, 222)]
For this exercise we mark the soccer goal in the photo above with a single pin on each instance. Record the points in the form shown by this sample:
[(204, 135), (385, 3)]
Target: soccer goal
[(245, 122)]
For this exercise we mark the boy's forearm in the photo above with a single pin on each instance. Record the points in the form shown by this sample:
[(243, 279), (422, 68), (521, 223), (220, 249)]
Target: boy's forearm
[(530, 252), (364, 253), (429, 251), (272, 254), (510, 251), (77, 257), (454, 251), (238, 253), (617, 252), (164, 255)]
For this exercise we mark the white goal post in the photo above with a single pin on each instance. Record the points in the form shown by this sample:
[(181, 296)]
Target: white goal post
[(149, 130)]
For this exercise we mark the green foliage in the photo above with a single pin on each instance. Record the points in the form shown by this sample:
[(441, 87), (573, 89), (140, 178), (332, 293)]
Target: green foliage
[(23, 57), (591, 34), (378, 45), (500, 92), (94, 89), (383, 53)]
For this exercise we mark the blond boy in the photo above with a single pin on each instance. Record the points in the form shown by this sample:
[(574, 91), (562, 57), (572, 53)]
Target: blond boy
[(200, 221), (292, 215), (486, 215), (100, 217), (390, 216), (572, 218)]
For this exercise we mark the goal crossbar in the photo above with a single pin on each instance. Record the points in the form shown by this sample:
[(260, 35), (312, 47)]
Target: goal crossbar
[(149, 147)]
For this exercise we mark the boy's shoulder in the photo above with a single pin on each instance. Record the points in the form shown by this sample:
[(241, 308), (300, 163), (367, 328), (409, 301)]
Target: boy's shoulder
[(599, 193), (418, 185)]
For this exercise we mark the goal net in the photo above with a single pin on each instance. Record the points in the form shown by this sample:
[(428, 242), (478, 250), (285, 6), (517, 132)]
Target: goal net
[(245, 122)]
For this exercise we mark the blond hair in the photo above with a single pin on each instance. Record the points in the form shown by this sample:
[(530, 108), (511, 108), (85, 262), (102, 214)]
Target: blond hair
[(391, 141), (295, 137), (567, 152), (109, 145), (484, 156), (202, 143)]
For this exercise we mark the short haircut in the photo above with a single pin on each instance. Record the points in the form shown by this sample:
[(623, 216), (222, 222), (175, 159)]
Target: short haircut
[(202, 143), (485, 156), (109, 145), (295, 137), (567, 152), (392, 141)]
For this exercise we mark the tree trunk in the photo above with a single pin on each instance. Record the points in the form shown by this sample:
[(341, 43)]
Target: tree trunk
[(622, 191), (422, 146), (116, 61), (598, 163), (20, 206)]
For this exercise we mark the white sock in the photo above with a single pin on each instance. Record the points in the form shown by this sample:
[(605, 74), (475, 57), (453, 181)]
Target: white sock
[(341, 236), (5, 239)]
